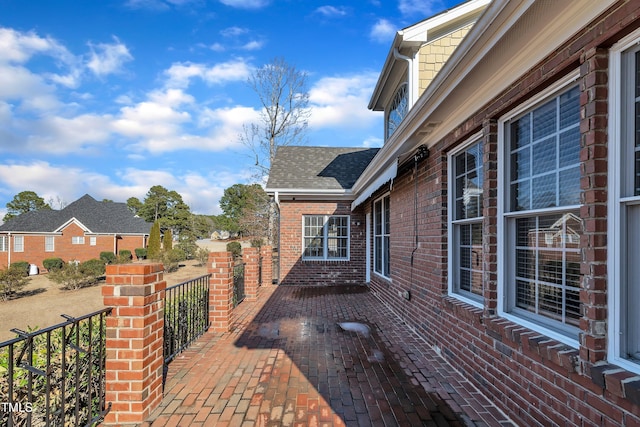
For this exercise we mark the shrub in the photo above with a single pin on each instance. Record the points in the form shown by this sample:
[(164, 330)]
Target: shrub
[(202, 255), (171, 259), (52, 264), (257, 243), (108, 257), (188, 247), (167, 241), (93, 267), (141, 253), (12, 279), (22, 266), (235, 248), (153, 247), (124, 256)]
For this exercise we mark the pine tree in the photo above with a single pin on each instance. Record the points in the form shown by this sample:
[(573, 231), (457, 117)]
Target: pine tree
[(167, 242), (153, 248)]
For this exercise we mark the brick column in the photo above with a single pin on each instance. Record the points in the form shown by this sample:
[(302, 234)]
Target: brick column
[(250, 258), (134, 333), (267, 265), (490, 217), (593, 182), (220, 290)]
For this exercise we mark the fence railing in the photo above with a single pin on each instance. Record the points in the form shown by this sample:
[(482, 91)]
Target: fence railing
[(55, 376), (186, 314), (238, 282)]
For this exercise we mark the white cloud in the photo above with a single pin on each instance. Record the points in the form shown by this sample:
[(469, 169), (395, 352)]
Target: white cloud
[(253, 45), (382, 31), (372, 142), (342, 101), (233, 31), (246, 4), (217, 47), (180, 74), (424, 8), (18, 47), (330, 11), (108, 58)]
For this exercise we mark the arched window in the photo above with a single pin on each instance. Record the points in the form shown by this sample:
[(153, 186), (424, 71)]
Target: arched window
[(398, 109)]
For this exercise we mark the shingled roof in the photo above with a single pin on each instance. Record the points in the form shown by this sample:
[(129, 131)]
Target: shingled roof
[(318, 168), (98, 217)]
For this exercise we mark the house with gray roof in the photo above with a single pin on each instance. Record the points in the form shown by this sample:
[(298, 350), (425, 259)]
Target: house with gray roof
[(80, 231), (320, 238)]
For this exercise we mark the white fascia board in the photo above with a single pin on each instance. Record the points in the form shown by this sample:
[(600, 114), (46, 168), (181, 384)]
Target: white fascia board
[(81, 225), (467, 81), (310, 193), (388, 175)]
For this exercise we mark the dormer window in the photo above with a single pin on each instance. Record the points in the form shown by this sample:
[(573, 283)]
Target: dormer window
[(398, 109)]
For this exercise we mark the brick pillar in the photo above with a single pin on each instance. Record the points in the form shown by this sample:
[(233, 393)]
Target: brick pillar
[(220, 290), (267, 265), (490, 217), (250, 258), (134, 341), (593, 211)]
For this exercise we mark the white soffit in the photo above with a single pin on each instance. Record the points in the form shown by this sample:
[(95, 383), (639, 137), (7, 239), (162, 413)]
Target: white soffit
[(389, 174)]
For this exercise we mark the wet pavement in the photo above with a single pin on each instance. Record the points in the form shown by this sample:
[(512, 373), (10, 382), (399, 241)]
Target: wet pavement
[(311, 356)]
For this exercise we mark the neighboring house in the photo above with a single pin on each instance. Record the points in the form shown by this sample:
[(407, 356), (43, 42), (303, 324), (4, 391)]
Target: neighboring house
[(503, 211), (79, 232)]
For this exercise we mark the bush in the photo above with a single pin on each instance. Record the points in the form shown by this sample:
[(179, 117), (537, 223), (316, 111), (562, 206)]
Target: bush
[(22, 266), (108, 257), (202, 255), (188, 247), (93, 267), (12, 279), (141, 253), (52, 264), (167, 241), (124, 256), (153, 246), (235, 248), (171, 259)]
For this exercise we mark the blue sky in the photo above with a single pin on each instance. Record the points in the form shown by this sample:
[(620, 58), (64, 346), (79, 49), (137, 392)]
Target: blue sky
[(111, 97)]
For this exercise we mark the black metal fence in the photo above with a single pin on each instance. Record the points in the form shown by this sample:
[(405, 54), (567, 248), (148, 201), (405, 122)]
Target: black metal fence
[(55, 376), (186, 314), (238, 282)]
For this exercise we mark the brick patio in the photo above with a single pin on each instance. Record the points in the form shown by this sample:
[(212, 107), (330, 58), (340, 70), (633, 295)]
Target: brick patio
[(286, 362)]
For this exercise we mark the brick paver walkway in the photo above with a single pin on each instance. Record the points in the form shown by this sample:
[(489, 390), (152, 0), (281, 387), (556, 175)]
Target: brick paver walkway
[(288, 363)]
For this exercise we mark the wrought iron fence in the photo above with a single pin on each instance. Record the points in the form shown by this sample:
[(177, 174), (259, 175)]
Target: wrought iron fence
[(55, 376), (238, 282), (186, 314)]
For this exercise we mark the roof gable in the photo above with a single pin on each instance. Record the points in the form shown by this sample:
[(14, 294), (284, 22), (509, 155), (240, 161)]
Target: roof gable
[(95, 217), (318, 168)]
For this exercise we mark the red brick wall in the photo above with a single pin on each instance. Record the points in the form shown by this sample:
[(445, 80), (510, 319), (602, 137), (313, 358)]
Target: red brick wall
[(34, 252), (295, 270), (536, 380)]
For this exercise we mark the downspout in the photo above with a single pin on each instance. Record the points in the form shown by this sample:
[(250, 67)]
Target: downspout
[(9, 249), (398, 55)]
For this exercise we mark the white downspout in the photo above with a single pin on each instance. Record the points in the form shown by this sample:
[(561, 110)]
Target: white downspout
[(9, 247), (410, 82)]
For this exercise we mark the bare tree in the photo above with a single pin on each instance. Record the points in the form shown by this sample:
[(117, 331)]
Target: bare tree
[(284, 113)]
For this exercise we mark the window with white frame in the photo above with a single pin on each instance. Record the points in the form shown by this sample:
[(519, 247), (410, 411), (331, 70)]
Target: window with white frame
[(398, 109), (49, 243), (325, 237), (18, 243), (542, 226), (381, 233), (77, 240), (624, 207), (4, 243), (92, 240), (466, 221)]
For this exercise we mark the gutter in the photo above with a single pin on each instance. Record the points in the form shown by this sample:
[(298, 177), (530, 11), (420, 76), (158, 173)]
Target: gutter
[(412, 86)]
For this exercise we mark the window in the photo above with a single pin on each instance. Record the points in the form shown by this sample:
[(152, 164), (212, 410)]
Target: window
[(381, 226), (77, 240), (542, 226), (325, 237), (49, 243), (624, 204), (4, 243), (92, 240), (466, 222), (18, 243), (398, 109)]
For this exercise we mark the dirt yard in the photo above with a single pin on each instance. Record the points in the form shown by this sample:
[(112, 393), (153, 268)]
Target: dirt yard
[(42, 302)]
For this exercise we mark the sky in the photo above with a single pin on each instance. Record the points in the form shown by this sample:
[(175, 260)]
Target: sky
[(112, 97)]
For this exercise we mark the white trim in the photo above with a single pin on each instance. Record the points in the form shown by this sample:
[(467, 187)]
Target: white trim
[(68, 222), (381, 199), (388, 175), (15, 245), (325, 238), (615, 201), (368, 248)]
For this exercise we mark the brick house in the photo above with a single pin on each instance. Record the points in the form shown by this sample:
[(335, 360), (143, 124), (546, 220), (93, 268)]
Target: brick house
[(502, 217), (79, 232)]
